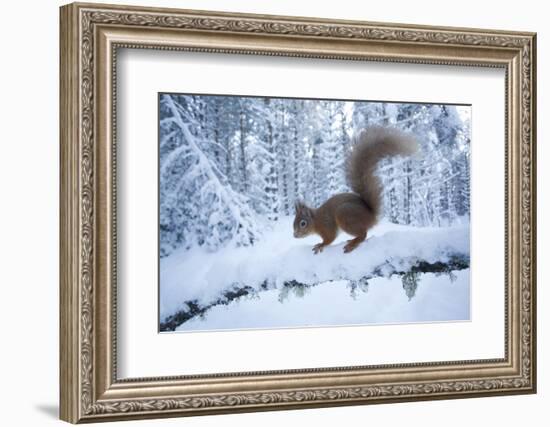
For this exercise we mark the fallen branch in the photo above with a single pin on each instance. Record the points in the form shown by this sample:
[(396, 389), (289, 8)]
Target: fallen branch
[(238, 290)]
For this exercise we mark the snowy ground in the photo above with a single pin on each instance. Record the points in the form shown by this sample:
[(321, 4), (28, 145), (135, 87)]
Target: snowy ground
[(197, 275)]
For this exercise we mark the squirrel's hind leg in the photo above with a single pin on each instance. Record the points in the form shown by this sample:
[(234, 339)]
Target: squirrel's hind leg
[(355, 219), (353, 243)]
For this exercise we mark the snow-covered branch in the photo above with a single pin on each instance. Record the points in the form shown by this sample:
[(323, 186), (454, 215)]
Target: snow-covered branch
[(280, 262), (237, 290)]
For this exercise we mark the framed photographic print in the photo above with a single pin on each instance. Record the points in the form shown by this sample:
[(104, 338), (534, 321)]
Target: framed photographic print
[(228, 262), (267, 212)]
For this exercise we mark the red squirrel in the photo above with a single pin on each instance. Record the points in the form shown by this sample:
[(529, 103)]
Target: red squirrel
[(357, 212)]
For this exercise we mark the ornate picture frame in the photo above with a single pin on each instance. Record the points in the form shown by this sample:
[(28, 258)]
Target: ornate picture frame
[(91, 34)]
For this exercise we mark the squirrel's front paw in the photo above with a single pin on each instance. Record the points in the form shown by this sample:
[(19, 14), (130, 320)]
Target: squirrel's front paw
[(318, 248)]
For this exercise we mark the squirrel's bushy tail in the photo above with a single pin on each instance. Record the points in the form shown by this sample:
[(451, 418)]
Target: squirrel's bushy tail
[(369, 147)]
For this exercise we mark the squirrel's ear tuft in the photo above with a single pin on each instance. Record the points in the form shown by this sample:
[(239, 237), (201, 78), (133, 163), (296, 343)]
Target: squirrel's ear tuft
[(298, 205)]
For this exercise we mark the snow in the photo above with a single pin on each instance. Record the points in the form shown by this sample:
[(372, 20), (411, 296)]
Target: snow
[(196, 274), (231, 169), (229, 162), (437, 299)]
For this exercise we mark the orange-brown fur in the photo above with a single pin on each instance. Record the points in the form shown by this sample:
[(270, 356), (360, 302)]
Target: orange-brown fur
[(354, 213)]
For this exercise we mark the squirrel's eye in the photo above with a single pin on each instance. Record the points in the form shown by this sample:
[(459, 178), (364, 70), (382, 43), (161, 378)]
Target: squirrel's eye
[(303, 223)]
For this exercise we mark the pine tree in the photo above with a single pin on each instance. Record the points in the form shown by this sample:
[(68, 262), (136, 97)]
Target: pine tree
[(230, 165)]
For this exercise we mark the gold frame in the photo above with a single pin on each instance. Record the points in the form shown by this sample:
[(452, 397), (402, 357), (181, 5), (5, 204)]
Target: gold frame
[(90, 36)]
